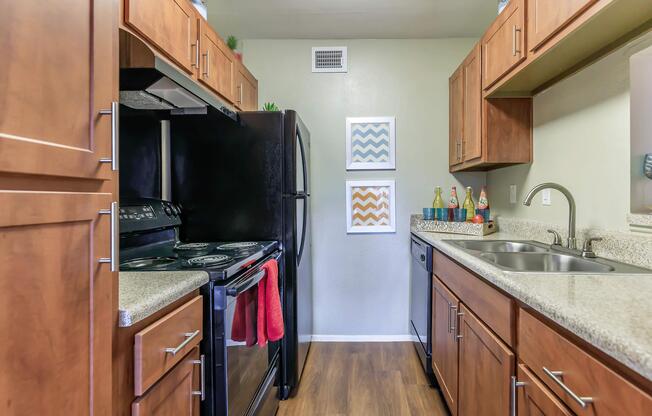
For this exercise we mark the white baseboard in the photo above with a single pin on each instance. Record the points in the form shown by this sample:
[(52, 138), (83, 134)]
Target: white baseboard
[(362, 338)]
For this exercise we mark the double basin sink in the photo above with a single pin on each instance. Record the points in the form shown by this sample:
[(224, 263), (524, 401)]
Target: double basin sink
[(535, 257)]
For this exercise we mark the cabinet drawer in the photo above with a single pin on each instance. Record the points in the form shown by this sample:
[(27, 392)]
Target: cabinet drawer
[(492, 307), (176, 394), (544, 351), (163, 344), (534, 398)]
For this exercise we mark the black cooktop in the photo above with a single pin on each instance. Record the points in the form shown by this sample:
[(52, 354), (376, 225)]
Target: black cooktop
[(222, 260)]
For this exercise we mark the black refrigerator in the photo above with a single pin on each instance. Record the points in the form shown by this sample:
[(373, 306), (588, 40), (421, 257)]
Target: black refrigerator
[(251, 181)]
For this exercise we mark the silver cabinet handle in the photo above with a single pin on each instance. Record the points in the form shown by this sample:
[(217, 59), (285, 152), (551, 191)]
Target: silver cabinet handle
[(189, 337), (202, 390), (113, 260), (204, 73), (458, 331), (451, 312), (449, 318), (241, 92), (114, 112), (515, 39), (556, 376), (512, 391), (195, 45)]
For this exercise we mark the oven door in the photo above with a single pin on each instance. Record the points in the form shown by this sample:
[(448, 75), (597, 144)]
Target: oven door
[(246, 363)]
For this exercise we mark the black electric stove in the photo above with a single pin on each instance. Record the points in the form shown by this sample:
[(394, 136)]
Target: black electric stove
[(149, 242)]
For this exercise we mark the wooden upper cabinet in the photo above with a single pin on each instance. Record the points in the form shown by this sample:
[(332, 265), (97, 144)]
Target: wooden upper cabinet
[(472, 130), (444, 342), (485, 369), (58, 71), (503, 45), (246, 89), (56, 319), (534, 399), (173, 394), (170, 25), (217, 66), (456, 117), (546, 18)]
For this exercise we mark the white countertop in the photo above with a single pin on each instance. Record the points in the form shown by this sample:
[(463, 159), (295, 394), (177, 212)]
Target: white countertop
[(611, 312)]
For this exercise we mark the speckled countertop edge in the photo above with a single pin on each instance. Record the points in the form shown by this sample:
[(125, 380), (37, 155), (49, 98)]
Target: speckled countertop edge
[(611, 312), (141, 294)]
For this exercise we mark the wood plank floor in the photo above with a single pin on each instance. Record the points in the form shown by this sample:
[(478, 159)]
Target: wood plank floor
[(363, 379)]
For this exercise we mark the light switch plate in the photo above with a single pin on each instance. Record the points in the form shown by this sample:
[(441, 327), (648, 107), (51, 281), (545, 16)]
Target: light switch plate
[(512, 194), (545, 197)]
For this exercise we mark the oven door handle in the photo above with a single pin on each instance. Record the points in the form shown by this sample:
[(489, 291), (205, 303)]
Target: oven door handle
[(246, 285), (250, 282)]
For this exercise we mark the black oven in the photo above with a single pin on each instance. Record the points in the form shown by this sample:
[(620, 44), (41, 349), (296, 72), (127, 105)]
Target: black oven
[(241, 377)]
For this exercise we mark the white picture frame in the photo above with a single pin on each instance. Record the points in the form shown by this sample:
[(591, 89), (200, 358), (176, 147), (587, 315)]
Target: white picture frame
[(370, 143), (370, 206)]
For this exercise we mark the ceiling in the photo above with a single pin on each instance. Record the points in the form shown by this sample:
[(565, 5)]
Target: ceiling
[(351, 19)]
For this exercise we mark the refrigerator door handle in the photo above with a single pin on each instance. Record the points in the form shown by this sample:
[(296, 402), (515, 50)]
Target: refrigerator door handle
[(303, 162), (304, 198)]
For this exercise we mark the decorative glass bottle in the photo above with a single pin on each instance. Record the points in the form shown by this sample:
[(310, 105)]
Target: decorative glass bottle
[(468, 204)]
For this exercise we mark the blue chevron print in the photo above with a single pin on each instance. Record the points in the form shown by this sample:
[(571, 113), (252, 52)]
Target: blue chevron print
[(370, 142)]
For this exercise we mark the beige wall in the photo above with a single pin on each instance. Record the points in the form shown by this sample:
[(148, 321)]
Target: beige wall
[(582, 141), (361, 281)]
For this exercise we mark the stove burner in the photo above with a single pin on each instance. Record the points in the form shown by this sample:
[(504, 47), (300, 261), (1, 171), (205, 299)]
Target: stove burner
[(193, 249), (209, 261), (147, 262), (248, 245)]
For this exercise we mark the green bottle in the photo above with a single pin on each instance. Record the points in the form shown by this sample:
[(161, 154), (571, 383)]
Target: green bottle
[(439, 201), (469, 205)]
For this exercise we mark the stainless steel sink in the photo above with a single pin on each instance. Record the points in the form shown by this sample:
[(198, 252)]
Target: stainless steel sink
[(545, 262), (498, 246), (536, 257)]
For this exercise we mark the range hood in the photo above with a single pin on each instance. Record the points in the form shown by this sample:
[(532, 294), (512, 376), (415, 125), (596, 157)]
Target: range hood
[(149, 82)]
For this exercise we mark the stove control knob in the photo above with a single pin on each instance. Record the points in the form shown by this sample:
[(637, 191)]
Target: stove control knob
[(175, 211), (167, 210)]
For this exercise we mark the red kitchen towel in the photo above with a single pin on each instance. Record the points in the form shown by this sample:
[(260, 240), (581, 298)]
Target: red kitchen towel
[(270, 314), (244, 318)]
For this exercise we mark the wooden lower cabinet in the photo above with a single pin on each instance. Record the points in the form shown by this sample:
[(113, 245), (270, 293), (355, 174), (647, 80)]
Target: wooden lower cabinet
[(56, 302), (444, 345), (534, 398), (174, 394), (486, 366)]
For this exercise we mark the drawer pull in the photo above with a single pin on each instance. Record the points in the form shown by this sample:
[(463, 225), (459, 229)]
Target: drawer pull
[(189, 337), (556, 376), (202, 391)]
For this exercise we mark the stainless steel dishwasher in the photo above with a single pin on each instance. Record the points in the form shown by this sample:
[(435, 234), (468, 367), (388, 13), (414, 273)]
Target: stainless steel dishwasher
[(421, 303)]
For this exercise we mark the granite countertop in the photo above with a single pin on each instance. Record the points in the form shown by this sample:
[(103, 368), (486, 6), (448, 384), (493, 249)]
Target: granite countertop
[(144, 293), (610, 312)]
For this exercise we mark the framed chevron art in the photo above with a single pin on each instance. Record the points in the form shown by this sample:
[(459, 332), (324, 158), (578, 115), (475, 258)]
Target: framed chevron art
[(370, 207), (370, 143)]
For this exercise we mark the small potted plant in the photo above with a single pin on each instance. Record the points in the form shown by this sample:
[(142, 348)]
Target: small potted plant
[(270, 107), (232, 43)]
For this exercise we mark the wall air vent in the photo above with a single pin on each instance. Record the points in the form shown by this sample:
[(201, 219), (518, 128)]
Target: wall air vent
[(329, 59)]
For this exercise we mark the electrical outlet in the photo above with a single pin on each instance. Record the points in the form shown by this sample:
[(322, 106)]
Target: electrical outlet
[(545, 197), (512, 194)]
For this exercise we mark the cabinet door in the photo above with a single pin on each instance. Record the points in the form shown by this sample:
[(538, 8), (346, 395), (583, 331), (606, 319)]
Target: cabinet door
[(171, 25), (173, 394), (246, 91), (444, 342), (546, 18), (58, 71), (472, 130), (456, 116), (503, 44), (485, 370), (534, 398), (217, 66), (56, 319)]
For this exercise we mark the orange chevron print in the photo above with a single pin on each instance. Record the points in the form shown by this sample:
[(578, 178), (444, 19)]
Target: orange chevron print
[(370, 206)]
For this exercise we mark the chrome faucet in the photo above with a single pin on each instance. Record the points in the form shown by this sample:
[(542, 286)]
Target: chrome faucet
[(572, 240)]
